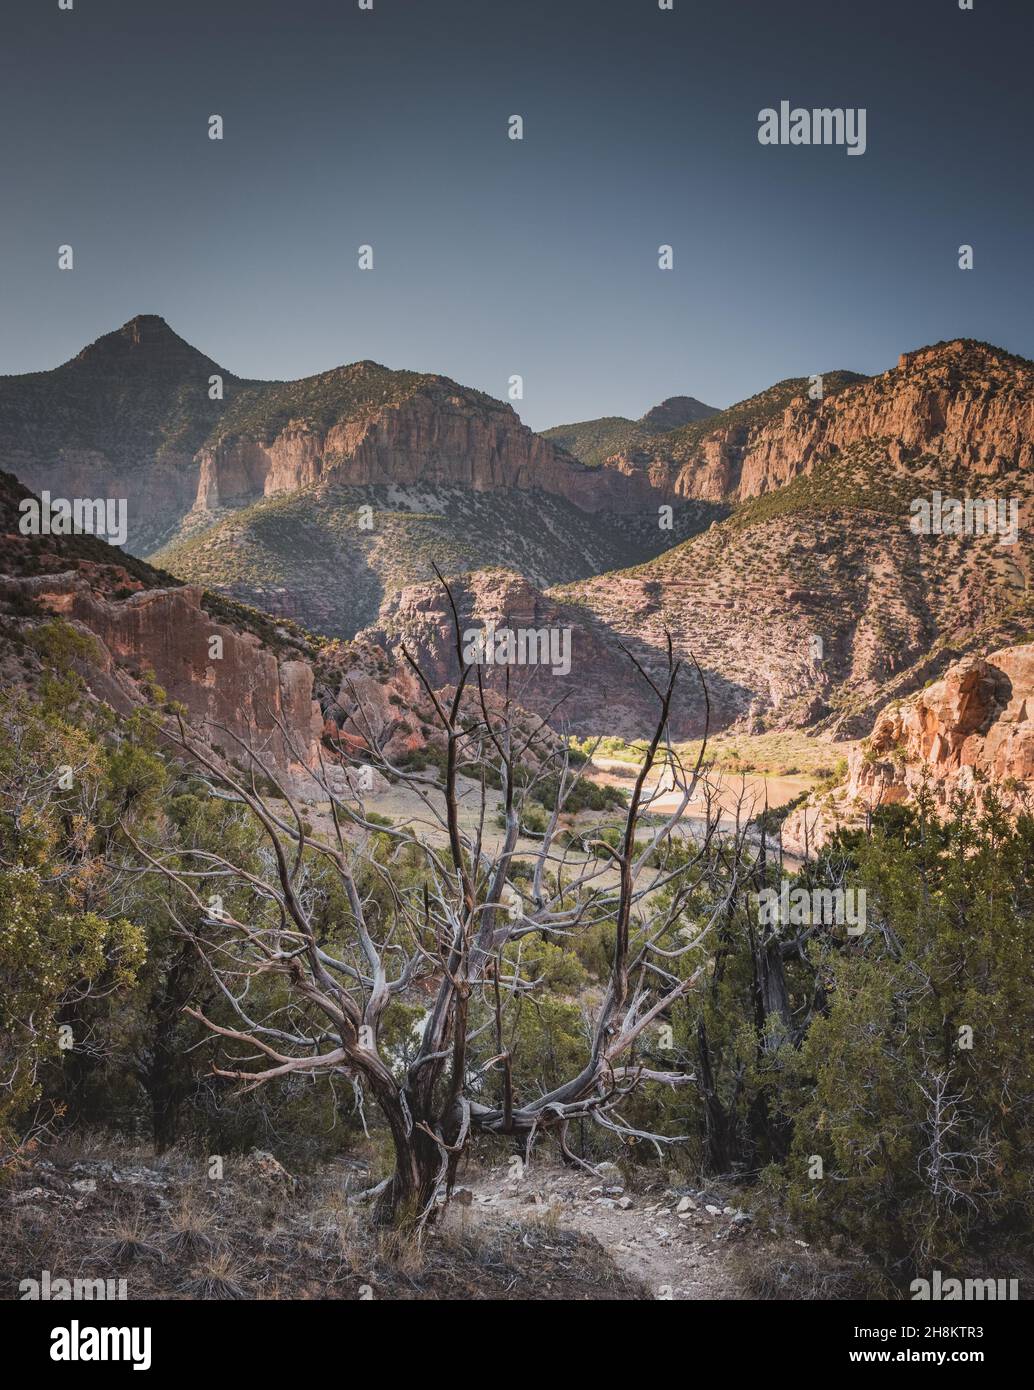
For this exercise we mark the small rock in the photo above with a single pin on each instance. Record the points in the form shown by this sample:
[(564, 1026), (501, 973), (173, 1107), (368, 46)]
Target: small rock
[(686, 1204), (264, 1165), (713, 1211), (31, 1194), (624, 1203)]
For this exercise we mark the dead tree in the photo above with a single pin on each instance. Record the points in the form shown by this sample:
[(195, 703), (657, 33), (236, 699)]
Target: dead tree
[(457, 932)]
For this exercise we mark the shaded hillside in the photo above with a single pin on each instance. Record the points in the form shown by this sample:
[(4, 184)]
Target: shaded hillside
[(829, 557), (316, 556)]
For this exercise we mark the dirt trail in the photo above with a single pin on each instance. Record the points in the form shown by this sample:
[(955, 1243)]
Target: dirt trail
[(676, 1241)]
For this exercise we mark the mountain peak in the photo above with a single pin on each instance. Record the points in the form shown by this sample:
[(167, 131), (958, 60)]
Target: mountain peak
[(968, 354), (146, 341), (676, 411)]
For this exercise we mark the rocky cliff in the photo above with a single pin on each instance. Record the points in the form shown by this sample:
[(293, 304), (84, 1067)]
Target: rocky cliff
[(431, 431), (961, 399), (969, 732), (233, 687)]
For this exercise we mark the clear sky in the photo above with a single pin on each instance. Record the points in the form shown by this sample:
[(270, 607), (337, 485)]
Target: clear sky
[(539, 257)]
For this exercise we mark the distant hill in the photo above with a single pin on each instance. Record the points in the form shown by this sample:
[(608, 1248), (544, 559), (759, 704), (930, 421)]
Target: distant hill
[(593, 441)]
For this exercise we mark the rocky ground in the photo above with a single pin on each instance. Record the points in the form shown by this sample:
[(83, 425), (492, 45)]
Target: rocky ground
[(675, 1240), (180, 1227), (172, 1231)]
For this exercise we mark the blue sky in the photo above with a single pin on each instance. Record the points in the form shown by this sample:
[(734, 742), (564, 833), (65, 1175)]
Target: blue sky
[(494, 257)]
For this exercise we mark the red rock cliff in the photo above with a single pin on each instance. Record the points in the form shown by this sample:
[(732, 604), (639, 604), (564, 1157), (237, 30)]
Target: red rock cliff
[(441, 437), (247, 691), (964, 400)]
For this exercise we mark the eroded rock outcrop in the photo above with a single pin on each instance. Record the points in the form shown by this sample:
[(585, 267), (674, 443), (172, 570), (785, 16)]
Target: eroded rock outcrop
[(232, 685), (962, 400), (968, 732), (601, 689), (972, 729)]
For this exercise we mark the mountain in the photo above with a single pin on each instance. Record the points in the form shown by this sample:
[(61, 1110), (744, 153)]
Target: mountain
[(675, 412), (790, 570), (813, 601), (124, 418), (594, 441), (132, 416), (448, 477)]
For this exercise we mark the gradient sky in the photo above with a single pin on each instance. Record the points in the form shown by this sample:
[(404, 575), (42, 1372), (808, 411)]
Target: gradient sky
[(494, 257)]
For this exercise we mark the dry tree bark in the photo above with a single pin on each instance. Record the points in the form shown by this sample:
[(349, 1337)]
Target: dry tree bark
[(450, 933)]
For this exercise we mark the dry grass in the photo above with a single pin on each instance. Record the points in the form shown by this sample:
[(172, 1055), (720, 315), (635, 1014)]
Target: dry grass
[(172, 1233), (782, 1270)]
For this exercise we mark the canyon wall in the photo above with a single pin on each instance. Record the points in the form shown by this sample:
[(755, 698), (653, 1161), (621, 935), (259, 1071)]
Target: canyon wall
[(440, 436), (958, 400), (963, 400)]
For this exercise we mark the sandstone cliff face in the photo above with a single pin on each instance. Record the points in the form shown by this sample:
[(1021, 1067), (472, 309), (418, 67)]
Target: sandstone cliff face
[(440, 436), (960, 400), (971, 731), (247, 693), (973, 728)]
